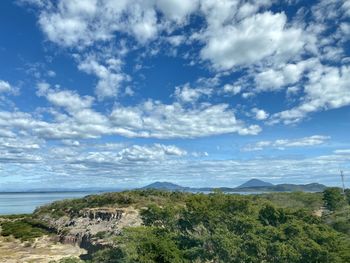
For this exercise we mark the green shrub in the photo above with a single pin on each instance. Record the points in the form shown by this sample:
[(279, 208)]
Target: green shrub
[(22, 229), (333, 198)]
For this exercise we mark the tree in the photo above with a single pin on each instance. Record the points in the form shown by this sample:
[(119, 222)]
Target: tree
[(112, 255), (269, 215), (347, 195), (333, 198)]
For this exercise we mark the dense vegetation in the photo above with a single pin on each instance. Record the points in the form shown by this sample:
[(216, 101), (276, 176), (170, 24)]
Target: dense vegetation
[(184, 227), (228, 228), (25, 228)]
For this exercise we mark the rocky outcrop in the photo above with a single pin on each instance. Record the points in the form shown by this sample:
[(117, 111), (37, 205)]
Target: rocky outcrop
[(102, 214), (94, 228)]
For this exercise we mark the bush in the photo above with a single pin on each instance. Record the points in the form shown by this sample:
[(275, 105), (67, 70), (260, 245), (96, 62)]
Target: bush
[(333, 198), (68, 260), (22, 229)]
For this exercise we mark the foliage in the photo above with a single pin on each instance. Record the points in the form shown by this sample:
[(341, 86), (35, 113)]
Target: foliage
[(333, 198), (15, 216), (109, 256), (149, 244), (339, 220), (23, 229), (269, 215), (347, 194), (226, 228), (68, 260), (141, 198), (296, 200), (218, 227)]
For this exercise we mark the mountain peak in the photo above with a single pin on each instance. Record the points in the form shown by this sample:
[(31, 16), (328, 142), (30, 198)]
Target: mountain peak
[(164, 186), (254, 183)]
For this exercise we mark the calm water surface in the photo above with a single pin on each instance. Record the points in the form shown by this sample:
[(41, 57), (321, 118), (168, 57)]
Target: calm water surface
[(23, 203)]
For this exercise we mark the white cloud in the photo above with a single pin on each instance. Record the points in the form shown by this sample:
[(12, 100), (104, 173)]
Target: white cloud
[(260, 114), (20, 150), (140, 165), (110, 76), (82, 23), (147, 153), (126, 155), (154, 119), (274, 80), (342, 151), (176, 40), (190, 95), (281, 144), (51, 73), (346, 8), (232, 89), (327, 88), (251, 40), (5, 86), (72, 116), (67, 99), (177, 10)]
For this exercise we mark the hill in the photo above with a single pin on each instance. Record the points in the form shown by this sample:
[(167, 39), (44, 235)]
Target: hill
[(165, 186), (254, 183), (163, 226), (313, 187)]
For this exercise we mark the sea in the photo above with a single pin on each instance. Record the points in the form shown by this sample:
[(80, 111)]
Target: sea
[(27, 202)]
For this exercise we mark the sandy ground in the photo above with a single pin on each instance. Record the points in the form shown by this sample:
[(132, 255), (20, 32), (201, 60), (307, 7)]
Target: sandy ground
[(319, 212), (42, 250)]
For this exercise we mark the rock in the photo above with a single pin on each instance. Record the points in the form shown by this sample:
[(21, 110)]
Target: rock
[(82, 229)]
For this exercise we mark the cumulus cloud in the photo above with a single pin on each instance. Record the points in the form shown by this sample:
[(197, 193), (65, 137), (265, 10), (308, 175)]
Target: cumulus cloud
[(132, 154), (147, 153), (187, 94), (154, 119), (5, 86), (327, 88), (109, 75), (232, 89), (73, 22), (251, 40), (177, 10), (20, 149), (260, 114), (67, 99), (74, 117), (274, 80), (281, 144)]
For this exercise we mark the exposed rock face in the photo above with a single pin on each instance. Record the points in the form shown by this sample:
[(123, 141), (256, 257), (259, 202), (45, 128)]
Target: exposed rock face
[(102, 214), (86, 228)]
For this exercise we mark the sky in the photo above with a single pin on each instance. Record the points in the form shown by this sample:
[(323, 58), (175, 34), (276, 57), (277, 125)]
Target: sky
[(122, 93)]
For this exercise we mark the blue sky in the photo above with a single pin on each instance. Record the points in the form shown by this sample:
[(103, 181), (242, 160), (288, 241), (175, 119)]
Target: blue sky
[(200, 93)]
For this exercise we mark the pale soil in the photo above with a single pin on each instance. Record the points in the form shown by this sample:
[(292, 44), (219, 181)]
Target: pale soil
[(319, 212), (42, 250)]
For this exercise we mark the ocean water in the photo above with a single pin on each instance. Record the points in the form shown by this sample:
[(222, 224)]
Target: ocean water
[(23, 203)]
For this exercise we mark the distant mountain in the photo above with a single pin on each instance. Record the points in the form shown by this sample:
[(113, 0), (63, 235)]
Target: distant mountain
[(313, 187), (166, 186), (255, 183)]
